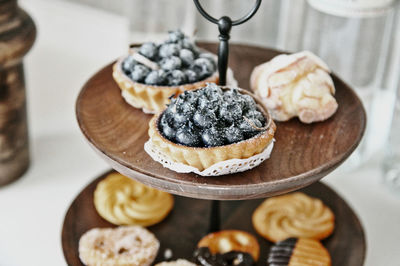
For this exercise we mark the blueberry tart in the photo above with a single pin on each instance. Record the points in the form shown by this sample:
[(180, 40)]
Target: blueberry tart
[(152, 72), (211, 131)]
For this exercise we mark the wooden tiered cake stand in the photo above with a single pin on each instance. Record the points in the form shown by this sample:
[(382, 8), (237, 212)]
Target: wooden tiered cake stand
[(302, 155)]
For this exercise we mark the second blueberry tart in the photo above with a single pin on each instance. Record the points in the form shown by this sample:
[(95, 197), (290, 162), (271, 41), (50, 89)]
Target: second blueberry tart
[(210, 127), (153, 72)]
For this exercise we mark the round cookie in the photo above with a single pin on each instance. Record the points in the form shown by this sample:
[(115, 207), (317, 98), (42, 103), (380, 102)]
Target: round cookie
[(179, 262), (293, 215), (123, 201), (128, 245), (299, 251), (231, 240)]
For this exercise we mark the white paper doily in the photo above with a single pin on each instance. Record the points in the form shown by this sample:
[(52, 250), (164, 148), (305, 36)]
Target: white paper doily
[(221, 168)]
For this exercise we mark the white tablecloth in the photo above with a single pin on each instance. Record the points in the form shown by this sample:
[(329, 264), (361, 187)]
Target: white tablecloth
[(73, 43)]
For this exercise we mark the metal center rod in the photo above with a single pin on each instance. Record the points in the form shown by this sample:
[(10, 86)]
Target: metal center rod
[(224, 26)]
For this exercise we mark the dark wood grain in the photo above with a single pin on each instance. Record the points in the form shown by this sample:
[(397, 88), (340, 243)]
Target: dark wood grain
[(302, 154), (17, 34), (188, 222)]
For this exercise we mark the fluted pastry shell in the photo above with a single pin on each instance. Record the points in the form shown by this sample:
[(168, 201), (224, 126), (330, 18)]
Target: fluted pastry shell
[(295, 85), (151, 98), (204, 157)]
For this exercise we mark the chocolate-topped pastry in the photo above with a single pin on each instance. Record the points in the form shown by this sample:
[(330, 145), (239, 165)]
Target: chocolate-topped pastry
[(152, 72), (298, 251), (204, 257), (211, 125)]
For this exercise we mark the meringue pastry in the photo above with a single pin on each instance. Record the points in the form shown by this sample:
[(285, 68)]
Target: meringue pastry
[(295, 85)]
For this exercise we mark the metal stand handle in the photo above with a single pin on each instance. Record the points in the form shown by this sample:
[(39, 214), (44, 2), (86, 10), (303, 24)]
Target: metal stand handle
[(224, 26)]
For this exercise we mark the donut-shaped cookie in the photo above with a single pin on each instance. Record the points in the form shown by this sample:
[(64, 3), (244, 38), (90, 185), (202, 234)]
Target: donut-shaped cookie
[(129, 245), (231, 240), (123, 201), (179, 262), (299, 251), (293, 215)]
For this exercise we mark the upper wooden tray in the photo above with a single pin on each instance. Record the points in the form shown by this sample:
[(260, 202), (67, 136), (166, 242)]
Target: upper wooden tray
[(302, 154)]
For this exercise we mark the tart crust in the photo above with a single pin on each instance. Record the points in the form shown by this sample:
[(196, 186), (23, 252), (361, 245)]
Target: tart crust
[(204, 157), (151, 98)]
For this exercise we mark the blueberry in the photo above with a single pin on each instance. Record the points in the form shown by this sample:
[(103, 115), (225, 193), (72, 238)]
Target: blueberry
[(188, 44), (254, 114), (155, 77), (231, 95), (186, 137), (139, 73), (208, 56), (191, 76), (149, 50), (171, 63), (213, 92), (203, 102), (168, 49), (250, 127), (249, 102), (128, 64), (203, 67), (204, 119), (225, 115), (233, 134), (190, 97), (176, 77), (180, 119), (175, 36), (186, 56), (235, 111), (211, 137)]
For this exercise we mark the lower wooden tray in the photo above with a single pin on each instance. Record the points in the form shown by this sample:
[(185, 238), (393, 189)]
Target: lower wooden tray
[(188, 222)]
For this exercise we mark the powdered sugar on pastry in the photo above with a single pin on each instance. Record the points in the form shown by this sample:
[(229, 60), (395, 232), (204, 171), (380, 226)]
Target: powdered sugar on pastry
[(295, 85), (129, 245)]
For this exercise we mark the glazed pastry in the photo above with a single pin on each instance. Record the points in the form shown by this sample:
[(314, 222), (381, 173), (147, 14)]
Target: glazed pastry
[(204, 257), (124, 201), (293, 215), (231, 240), (129, 245), (299, 251), (295, 85), (211, 125), (180, 262), (153, 73)]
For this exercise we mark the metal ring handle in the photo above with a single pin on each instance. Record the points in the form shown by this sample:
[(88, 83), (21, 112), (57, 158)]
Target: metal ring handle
[(234, 22)]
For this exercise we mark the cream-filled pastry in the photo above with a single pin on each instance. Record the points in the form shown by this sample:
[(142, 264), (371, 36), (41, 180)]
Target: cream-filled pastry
[(295, 85)]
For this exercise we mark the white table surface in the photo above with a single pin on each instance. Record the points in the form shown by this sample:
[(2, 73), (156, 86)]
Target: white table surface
[(73, 42)]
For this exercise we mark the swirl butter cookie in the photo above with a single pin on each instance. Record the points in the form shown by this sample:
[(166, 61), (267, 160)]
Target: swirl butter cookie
[(123, 201), (129, 245), (299, 251), (293, 215)]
